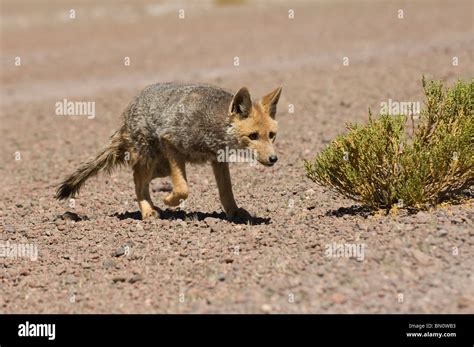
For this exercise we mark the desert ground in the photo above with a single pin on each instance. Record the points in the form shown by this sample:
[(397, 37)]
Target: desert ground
[(95, 255)]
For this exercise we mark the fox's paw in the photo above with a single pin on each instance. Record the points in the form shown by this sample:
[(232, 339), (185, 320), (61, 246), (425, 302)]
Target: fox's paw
[(239, 213), (150, 213), (175, 199)]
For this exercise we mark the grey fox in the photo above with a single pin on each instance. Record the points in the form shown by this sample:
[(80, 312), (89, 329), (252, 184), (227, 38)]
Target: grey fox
[(169, 125)]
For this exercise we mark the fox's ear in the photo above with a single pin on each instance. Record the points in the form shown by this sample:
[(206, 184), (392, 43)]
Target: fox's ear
[(270, 101), (241, 103)]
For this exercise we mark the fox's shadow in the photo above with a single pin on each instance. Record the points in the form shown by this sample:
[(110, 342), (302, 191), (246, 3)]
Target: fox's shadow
[(192, 216)]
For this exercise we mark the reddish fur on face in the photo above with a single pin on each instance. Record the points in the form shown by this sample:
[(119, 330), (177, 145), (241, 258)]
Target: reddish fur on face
[(259, 119)]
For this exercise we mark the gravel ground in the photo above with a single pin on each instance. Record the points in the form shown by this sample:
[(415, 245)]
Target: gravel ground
[(97, 256)]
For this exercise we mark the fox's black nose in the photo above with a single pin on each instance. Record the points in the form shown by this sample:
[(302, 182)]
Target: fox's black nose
[(273, 159)]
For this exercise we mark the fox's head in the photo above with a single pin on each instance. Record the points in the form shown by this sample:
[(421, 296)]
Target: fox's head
[(254, 125)]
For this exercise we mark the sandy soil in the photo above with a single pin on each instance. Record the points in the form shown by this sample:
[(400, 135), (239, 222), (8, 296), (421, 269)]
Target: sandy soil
[(100, 258)]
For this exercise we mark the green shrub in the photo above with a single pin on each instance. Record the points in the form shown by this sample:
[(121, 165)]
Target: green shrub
[(382, 164)]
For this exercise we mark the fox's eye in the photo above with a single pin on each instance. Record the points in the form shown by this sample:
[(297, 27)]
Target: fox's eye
[(253, 136), (271, 135)]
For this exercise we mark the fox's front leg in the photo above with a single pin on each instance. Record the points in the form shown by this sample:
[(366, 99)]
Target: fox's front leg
[(177, 165), (224, 184)]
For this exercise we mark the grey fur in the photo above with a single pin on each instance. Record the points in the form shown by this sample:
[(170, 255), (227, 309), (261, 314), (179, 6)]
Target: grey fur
[(194, 118)]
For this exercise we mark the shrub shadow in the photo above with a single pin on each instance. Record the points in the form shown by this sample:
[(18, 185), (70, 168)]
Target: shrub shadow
[(354, 210)]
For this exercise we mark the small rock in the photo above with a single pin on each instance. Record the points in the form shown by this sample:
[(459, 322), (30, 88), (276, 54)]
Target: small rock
[(135, 279), (213, 224), (421, 257), (397, 243), (109, 264), (119, 279), (119, 252), (338, 298), (423, 217), (165, 187), (71, 280), (345, 104), (465, 302), (406, 272), (442, 232), (70, 216), (9, 228), (137, 228), (221, 277), (59, 221), (61, 227), (457, 220)]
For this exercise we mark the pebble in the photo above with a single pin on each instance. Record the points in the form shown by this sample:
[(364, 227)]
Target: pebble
[(442, 232), (70, 216), (421, 257), (465, 302), (9, 228), (71, 280), (119, 252), (213, 224), (135, 279), (119, 279), (423, 217), (109, 264), (338, 298)]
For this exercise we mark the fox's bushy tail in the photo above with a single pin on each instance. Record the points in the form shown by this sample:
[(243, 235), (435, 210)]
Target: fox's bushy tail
[(108, 158)]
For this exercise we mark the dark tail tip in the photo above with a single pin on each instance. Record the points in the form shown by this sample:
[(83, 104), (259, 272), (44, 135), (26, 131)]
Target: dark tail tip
[(64, 191)]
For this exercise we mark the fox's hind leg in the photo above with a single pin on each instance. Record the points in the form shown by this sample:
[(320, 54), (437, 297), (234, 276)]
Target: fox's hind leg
[(142, 175), (177, 167)]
